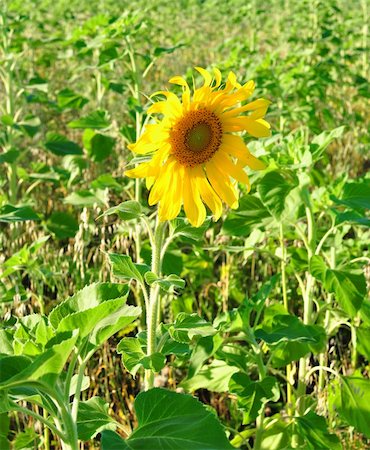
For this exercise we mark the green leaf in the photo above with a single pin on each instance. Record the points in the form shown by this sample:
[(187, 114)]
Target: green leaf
[(186, 326), (363, 341), (86, 198), (126, 210), (66, 98), (321, 141), (289, 339), (182, 227), (93, 418), (6, 342), (349, 288), (63, 225), (4, 430), (133, 356), (125, 269), (61, 146), (168, 420), (253, 395), (355, 196), (85, 384), (26, 440), (7, 120), (45, 367), (160, 50), (95, 120), (251, 212), (273, 190), (215, 377), (287, 328), (98, 310), (10, 156), (352, 217), (352, 402), (99, 147), (277, 434), (314, 430), (106, 180), (10, 213), (168, 284)]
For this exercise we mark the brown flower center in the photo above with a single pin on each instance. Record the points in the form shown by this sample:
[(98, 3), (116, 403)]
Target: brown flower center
[(196, 137)]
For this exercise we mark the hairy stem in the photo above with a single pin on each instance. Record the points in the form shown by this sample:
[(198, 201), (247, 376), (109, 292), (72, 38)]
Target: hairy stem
[(152, 313)]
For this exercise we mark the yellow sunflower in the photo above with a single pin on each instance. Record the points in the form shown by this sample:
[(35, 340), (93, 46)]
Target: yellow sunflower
[(195, 156)]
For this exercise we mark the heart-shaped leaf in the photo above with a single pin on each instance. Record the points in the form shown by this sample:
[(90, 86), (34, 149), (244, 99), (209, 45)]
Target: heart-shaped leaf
[(168, 420)]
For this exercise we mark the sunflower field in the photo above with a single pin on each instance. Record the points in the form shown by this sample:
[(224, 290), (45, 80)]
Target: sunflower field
[(184, 225)]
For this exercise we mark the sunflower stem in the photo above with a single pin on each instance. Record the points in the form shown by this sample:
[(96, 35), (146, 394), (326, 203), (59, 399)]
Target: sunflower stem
[(154, 297), (307, 307)]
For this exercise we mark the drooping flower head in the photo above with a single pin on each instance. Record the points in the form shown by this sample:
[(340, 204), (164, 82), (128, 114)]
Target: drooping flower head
[(196, 159)]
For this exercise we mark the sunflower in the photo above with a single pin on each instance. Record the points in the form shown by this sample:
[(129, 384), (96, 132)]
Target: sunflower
[(195, 158)]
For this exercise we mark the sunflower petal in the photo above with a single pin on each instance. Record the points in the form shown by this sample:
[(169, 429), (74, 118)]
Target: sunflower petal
[(223, 161), (206, 75), (218, 77), (234, 145), (170, 203), (161, 183), (256, 128), (222, 185), (193, 205), (208, 195)]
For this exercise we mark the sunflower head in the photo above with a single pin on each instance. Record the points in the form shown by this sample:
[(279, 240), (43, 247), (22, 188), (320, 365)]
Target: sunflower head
[(196, 157)]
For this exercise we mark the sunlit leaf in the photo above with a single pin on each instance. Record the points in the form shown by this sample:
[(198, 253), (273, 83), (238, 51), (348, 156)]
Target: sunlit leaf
[(61, 146), (93, 418), (95, 120), (167, 420)]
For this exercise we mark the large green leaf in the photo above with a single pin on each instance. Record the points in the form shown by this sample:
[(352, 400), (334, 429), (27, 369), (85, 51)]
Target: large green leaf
[(314, 430), (349, 287), (253, 395), (215, 377), (45, 367), (98, 310), (289, 339), (167, 420), (251, 213), (92, 418), (351, 399), (287, 328), (273, 189), (355, 195)]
